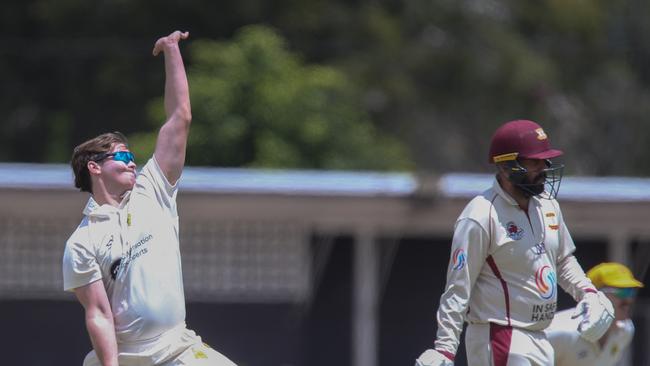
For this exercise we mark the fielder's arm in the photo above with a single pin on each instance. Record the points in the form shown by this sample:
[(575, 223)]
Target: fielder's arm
[(99, 321), (468, 253), (172, 138)]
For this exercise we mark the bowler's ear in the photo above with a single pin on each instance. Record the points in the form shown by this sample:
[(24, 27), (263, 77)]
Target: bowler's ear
[(94, 168)]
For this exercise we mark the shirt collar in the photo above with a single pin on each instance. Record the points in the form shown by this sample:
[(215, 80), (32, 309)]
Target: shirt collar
[(94, 209), (499, 190)]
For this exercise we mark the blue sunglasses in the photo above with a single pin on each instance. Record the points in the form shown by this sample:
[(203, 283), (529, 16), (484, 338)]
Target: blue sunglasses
[(123, 156)]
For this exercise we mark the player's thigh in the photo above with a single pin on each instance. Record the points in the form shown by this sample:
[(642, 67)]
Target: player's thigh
[(493, 345), (201, 355), (530, 348)]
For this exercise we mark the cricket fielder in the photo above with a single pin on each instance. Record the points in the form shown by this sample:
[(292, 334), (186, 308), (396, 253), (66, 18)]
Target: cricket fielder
[(619, 285), (123, 261), (510, 250)]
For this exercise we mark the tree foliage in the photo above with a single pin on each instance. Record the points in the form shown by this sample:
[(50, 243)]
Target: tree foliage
[(439, 76), (254, 103)]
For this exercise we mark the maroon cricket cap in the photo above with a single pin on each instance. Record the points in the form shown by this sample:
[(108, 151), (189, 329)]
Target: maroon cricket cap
[(521, 139)]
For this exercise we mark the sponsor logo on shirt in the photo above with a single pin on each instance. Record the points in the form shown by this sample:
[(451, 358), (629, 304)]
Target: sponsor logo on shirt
[(553, 224), (459, 258), (543, 312), (137, 249), (115, 268), (110, 242), (514, 232), (546, 282)]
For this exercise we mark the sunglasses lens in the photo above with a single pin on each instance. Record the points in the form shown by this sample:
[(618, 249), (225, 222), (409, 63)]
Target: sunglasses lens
[(124, 156), (626, 293)]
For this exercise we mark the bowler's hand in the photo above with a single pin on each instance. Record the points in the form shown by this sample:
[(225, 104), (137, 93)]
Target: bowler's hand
[(164, 43)]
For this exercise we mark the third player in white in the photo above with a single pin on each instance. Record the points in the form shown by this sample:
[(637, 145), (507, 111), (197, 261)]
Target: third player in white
[(571, 349)]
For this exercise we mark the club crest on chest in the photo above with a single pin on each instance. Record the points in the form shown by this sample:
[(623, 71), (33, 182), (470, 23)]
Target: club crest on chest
[(513, 231)]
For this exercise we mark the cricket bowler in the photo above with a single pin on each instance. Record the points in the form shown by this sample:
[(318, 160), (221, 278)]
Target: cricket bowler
[(510, 250), (123, 261), (619, 285)]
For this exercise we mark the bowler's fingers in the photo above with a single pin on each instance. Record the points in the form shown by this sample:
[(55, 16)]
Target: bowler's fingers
[(174, 37)]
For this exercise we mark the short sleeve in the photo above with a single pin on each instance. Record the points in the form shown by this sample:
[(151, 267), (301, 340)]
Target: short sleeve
[(152, 182), (80, 266)]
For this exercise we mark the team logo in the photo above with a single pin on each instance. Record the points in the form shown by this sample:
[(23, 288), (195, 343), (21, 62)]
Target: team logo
[(546, 282), (459, 258), (514, 232), (541, 135), (198, 354), (539, 248)]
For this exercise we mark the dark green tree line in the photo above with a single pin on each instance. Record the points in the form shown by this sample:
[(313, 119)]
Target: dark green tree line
[(435, 77)]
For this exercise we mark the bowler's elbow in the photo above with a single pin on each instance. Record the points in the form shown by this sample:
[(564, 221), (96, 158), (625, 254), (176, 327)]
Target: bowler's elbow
[(184, 116), (98, 316)]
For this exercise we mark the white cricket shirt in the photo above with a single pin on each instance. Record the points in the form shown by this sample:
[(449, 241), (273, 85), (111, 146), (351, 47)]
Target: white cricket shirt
[(573, 350), (505, 266), (134, 250)]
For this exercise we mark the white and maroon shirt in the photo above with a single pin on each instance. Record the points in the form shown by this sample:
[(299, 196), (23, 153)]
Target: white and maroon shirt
[(573, 350), (505, 266), (134, 250)]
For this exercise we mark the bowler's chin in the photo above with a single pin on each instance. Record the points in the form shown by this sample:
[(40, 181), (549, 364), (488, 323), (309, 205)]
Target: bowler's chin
[(127, 188), (128, 185)]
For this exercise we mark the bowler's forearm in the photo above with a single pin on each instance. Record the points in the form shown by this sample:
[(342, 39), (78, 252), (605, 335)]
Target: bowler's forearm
[(177, 94), (102, 335)]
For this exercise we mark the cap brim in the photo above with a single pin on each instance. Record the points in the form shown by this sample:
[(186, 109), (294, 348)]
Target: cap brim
[(624, 283), (548, 154)]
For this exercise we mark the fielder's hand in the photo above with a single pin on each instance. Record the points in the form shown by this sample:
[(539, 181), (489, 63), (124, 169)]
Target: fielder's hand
[(431, 357), (596, 313)]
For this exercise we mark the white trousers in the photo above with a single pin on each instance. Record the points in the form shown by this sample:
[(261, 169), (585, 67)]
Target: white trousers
[(496, 345), (178, 347)]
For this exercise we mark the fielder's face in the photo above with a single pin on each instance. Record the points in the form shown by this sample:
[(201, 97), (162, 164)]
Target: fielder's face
[(118, 175), (621, 305)]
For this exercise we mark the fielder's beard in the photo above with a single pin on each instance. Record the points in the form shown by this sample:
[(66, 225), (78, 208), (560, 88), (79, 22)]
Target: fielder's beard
[(533, 187)]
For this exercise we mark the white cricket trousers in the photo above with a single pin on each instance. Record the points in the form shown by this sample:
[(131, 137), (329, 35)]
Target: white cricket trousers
[(177, 347), (498, 345)]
